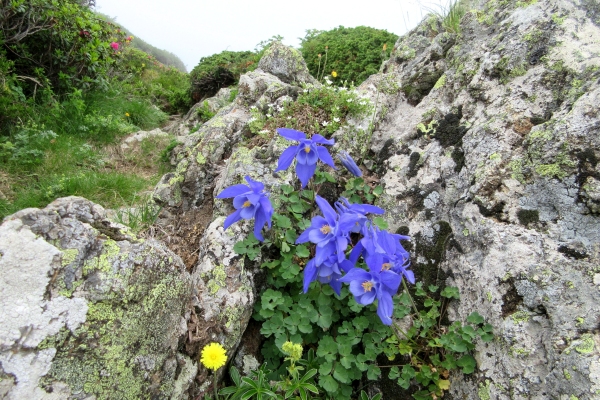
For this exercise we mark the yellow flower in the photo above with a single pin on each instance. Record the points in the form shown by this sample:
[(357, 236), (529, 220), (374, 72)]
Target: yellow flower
[(293, 350), (334, 74), (213, 356), (127, 114)]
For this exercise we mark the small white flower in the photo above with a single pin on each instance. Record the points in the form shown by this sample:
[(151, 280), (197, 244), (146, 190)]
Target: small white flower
[(268, 115), (305, 90), (324, 123), (251, 120), (280, 109), (350, 100), (264, 131), (289, 117), (336, 119), (253, 108)]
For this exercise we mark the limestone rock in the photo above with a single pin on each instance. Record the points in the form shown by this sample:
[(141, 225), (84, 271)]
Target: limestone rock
[(286, 63), (87, 310)]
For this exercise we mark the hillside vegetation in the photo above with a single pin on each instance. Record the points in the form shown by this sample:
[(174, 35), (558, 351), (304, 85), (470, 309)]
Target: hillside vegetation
[(73, 82)]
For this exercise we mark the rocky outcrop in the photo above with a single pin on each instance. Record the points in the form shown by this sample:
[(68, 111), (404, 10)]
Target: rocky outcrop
[(487, 145), (489, 156), (89, 309)]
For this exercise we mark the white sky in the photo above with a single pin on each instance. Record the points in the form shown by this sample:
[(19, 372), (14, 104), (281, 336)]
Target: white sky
[(193, 29)]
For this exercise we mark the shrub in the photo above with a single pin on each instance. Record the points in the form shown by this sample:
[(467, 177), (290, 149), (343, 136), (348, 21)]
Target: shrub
[(352, 53), (220, 70)]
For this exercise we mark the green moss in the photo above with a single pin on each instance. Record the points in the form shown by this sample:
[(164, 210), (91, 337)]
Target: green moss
[(520, 316), (587, 344), (484, 390), (103, 262), (68, 256), (200, 159), (519, 351), (567, 374), (217, 122), (440, 82), (217, 281), (527, 217)]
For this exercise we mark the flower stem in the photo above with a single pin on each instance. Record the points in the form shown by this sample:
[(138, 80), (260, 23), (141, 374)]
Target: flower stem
[(410, 297), (215, 385)]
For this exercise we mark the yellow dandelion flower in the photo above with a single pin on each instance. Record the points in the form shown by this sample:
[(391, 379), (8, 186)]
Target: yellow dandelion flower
[(127, 114), (213, 356), (334, 74)]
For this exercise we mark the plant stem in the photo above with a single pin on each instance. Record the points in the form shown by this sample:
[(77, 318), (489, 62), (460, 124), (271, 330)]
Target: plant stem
[(372, 125), (410, 297), (215, 385)]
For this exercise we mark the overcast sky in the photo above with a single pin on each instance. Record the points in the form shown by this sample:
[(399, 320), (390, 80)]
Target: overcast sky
[(193, 29)]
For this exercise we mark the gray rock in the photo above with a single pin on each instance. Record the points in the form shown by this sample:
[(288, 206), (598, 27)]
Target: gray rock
[(286, 63), (87, 309)]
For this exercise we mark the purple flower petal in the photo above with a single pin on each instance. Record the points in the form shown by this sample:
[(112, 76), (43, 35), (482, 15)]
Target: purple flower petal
[(305, 172), (232, 218), (325, 156), (328, 211), (248, 212), (265, 203), (321, 140), (259, 221), (291, 134), (233, 191), (367, 297), (286, 158), (310, 274), (385, 308), (256, 186), (390, 280)]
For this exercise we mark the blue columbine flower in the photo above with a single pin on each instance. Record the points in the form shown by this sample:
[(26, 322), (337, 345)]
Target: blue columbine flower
[(329, 233), (360, 210), (376, 284), (328, 272), (307, 153), (349, 163), (250, 202)]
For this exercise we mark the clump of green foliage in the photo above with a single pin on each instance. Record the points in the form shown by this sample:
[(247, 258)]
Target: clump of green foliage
[(347, 341), (220, 70), (352, 53), (71, 85)]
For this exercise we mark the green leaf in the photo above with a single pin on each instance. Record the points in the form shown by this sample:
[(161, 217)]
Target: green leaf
[(287, 189), (325, 368), (240, 248), (285, 248), (475, 318), (380, 222), (361, 323), (341, 374), (433, 288), (467, 363), (378, 190), (450, 292), (373, 372), (404, 348), (328, 383), (302, 251)]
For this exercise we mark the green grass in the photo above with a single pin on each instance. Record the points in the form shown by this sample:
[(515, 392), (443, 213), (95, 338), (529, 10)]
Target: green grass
[(76, 166), (451, 14)]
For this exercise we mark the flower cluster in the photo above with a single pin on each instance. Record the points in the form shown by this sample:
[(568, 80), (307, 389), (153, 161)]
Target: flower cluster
[(382, 251), (387, 261)]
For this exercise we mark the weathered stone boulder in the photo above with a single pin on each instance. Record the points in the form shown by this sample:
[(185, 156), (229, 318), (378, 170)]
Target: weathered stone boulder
[(488, 151), (286, 63), (87, 310)]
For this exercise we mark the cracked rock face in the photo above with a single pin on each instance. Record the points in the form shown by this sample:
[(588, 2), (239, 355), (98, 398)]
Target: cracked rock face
[(87, 309), (492, 168)]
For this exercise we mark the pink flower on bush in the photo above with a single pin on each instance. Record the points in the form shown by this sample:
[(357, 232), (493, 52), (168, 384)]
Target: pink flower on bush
[(115, 45)]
